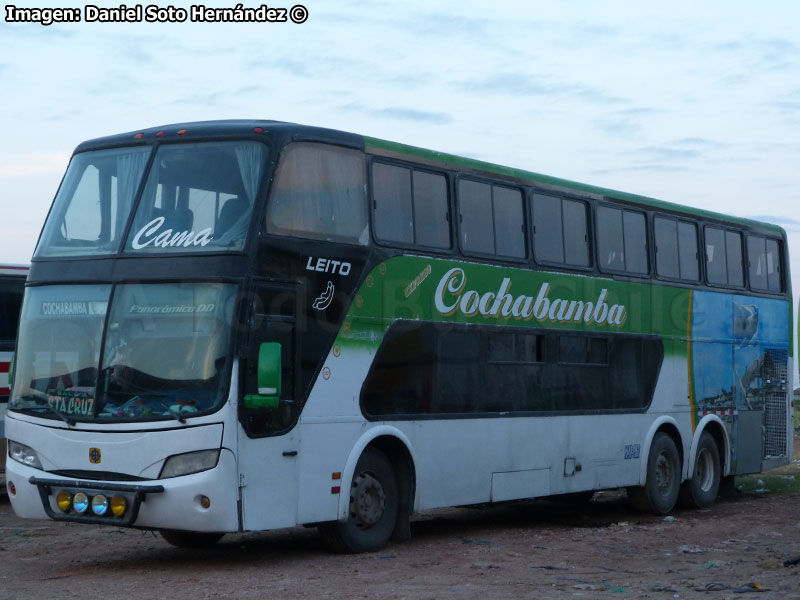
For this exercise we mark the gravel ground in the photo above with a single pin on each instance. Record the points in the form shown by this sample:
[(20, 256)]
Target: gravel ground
[(528, 550)]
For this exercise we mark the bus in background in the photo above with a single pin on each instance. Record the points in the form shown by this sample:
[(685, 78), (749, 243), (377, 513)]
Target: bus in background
[(12, 286), (249, 325)]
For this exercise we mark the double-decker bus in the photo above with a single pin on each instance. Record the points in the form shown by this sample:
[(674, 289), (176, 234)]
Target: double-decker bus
[(249, 325), (12, 286)]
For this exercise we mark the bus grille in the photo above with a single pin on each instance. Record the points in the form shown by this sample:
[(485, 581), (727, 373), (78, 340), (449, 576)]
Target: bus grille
[(97, 475), (775, 402)]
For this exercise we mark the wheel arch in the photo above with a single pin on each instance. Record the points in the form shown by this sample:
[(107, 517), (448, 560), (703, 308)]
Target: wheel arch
[(669, 426), (397, 448), (716, 428)]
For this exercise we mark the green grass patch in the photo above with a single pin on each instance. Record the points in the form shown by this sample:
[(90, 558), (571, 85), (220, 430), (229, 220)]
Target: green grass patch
[(768, 484)]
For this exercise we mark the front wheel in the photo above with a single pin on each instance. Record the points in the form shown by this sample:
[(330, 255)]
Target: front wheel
[(372, 513), (190, 539), (701, 490), (660, 491)]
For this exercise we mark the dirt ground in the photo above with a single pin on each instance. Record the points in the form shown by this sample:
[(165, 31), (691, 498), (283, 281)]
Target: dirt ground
[(522, 550)]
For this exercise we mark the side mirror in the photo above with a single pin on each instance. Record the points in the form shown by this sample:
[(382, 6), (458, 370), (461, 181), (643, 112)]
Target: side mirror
[(269, 378)]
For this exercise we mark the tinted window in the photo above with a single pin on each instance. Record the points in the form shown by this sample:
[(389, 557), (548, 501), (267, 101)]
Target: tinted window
[(687, 248), (508, 222), (319, 192), (716, 265), (576, 237), (475, 210), (676, 249), (559, 230), (757, 262), (548, 243), (431, 223), (424, 368), (621, 240), (774, 266), (635, 242), (733, 248), (11, 291), (610, 244), (391, 195), (492, 220), (666, 231)]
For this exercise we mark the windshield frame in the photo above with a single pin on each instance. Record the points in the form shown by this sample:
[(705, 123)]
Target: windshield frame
[(122, 245), (219, 395)]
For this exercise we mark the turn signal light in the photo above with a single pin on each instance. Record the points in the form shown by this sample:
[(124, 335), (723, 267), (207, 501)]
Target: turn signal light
[(118, 506), (64, 500)]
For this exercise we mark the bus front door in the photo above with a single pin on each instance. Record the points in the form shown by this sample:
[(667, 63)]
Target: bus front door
[(268, 444)]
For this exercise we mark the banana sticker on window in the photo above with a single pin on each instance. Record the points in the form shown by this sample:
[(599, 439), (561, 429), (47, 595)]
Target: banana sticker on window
[(325, 299)]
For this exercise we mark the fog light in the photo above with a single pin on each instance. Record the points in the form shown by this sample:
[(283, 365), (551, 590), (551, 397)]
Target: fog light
[(80, 502), (205, 502), (64, 500), (99, 505), (118, 506)]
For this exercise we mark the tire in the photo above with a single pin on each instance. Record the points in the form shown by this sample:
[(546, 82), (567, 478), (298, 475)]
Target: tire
[(660, 492), (190, 539), (373, 508), (701, 490)]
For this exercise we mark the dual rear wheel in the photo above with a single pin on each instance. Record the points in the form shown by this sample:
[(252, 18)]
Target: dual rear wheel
[(663, 489)]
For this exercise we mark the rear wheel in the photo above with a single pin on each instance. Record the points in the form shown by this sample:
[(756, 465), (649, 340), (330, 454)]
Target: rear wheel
[(701, 490), (190, 539), (372, 513), (660, 492)]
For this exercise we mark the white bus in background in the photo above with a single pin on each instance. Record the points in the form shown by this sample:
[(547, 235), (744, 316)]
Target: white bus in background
[(12, 286)]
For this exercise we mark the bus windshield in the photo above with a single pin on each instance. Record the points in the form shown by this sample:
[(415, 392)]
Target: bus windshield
[(197, 198), (162, 354)]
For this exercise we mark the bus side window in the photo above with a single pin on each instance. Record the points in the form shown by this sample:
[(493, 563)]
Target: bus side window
[(319, 192)]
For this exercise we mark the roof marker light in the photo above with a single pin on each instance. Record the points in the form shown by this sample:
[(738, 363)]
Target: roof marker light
[(138, 136), (182, 132), (160, 134)]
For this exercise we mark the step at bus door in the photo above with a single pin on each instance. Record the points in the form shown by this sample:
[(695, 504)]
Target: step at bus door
[(268, 444)]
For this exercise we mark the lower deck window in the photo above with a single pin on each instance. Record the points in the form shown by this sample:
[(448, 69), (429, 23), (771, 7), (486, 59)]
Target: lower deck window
[(426, 368)]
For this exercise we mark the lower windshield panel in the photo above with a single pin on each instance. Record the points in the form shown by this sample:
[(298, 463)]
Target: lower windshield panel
[(165, 350)]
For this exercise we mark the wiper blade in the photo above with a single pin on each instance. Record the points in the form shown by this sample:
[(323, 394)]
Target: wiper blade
[(178, 416), (46, 407)]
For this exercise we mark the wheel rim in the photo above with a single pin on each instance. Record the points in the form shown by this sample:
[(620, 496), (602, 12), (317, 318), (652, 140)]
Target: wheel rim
[(367, 501), (665, 474), (704, 470)]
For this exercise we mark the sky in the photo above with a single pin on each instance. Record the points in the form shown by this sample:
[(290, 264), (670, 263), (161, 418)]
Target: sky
[(692, 102)]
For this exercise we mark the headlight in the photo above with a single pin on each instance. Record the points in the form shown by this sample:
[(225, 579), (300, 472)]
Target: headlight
[(23, 454), (191, 462)]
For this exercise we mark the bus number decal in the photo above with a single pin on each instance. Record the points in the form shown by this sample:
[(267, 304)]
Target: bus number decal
[(632, 451)]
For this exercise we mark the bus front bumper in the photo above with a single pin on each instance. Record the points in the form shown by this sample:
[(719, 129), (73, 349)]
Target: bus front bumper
[(205, 501)]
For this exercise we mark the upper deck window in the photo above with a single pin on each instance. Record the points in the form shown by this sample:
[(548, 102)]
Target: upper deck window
[(560, 233), (676, 249), (492, 219), (621, 240), (93, 203), (320, 192), (410, 206), (764, 263), (198, 198), (724, 257)]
